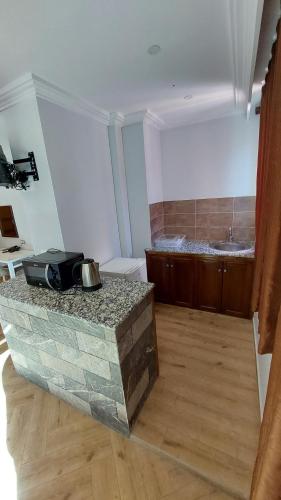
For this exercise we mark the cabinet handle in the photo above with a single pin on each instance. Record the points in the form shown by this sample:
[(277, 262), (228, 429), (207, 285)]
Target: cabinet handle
[(167, 265), (172, 265), (225, 270), (219, 270)]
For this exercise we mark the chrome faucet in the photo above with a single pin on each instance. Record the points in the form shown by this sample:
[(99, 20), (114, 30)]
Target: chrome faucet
[(230, 235)]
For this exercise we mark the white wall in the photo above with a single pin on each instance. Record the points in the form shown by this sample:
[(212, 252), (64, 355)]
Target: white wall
[(14, 198), (263, 366), (35, 209), (216, 158), (135, 166), (153, 163), (78, 154)]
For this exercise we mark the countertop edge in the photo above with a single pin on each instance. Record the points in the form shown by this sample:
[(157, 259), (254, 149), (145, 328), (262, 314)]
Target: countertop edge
[(172, 251), (8, 301)]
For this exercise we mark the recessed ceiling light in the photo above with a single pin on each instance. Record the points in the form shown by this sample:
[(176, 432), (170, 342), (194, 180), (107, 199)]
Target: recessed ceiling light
[(188, 97), (173, 85), (154, 49)]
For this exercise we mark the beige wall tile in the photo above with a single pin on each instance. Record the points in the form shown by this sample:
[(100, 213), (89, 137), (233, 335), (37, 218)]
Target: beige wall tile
[(179, 207), (211, 233), (214, 205), (245, 203), (244, 219), (157, 224), (207, 219), (179, 220), (156, 235), (189, 232), (219, 219), (244, 233), (156, 209)]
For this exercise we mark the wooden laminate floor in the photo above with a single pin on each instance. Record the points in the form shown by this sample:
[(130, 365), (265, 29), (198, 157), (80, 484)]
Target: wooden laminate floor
[(201, 418), (204, 408)]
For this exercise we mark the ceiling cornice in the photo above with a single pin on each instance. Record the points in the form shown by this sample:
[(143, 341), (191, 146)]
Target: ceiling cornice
[(18, 90), (237, 73), (245, 16), (145, 116), (153, 119), (30, 85), (142, 116), (117, 119)]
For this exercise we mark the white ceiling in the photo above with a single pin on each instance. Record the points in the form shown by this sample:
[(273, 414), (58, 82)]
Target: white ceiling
[(97, 49)]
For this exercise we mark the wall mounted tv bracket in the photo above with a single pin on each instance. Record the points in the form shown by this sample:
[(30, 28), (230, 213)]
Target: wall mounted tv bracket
[(22, 176)]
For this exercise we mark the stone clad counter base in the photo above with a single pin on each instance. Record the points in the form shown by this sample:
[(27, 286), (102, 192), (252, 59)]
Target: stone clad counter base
[(106, 372)]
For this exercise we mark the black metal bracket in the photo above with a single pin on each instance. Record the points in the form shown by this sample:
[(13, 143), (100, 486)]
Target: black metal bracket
[(31, 160)]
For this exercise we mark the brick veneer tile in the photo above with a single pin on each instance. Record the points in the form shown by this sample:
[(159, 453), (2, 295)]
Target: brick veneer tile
[(137, 394), (58, 332), (142, 322), (98, 347), (71, 364), (106, 387), (15, 317), (77, 324), (33, 339), (83, 360), (70, 398), (62, 367)]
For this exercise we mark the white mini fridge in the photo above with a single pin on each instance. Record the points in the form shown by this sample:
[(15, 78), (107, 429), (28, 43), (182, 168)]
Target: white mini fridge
[(130, 269)]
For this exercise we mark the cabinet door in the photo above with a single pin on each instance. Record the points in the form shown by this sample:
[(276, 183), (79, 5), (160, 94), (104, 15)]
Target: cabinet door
[(158, 272), (182, 280), (237, 287), (208, 284), (8, 226)]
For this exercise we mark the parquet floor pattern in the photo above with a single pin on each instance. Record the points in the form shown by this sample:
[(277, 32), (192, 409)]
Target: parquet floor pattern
[(48, 450)]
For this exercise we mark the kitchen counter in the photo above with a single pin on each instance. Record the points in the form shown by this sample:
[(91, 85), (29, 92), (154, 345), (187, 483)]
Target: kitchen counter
[(107, 307), (96, 350), (202, 248)]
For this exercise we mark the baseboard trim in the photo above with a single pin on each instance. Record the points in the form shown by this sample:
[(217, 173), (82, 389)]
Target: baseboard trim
[(263, 363)]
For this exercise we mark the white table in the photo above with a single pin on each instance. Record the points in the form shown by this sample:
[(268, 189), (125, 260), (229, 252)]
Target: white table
[(14, 260)]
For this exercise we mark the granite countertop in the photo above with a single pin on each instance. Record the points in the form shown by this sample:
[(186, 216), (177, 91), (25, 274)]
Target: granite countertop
[(108, 306), (202, 247)]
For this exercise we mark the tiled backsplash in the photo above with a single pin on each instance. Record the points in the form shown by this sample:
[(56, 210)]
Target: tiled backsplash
[(205, 219), (156, 219)]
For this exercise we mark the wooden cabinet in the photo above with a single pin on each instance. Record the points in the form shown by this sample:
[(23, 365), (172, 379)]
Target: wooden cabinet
[(158, 272), (237, 287), (182, 277), (208, 284), (211, 283), (173, 277)]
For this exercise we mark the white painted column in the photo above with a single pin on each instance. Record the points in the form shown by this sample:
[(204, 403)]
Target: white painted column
[(120, 188), (135, 167)]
